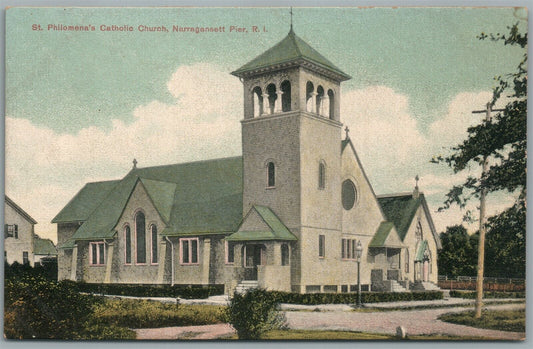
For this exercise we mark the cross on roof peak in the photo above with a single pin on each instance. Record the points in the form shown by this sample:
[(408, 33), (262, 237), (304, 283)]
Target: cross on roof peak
[(347, 130), (291, 19), (134, 163)]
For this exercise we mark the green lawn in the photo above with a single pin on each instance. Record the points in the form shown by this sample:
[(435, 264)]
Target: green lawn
[(504, 320), (132, 313)]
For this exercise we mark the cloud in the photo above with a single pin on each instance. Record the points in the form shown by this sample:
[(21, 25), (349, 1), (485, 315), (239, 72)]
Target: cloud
[(381, 126), (45, 169), (451, 129)]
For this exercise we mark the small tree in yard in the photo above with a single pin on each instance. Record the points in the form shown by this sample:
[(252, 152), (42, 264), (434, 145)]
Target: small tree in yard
[(254, 313)]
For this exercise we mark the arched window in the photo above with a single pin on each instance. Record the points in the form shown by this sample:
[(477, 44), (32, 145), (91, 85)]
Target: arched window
[(257, 100), (153, 232), (272, 96), (319, 100), (284, 254), (331, 105), (418, 233), (127, 243), (321, 175), (286, 96), (310, 97), (406, 260), (140, 238), (271, 175)]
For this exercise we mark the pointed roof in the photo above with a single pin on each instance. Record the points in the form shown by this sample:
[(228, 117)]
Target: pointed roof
[(17, 208), (384, 238), (401, 209), (162, 196), (272, 229), (84, 202), (290, 51), (195, 197)]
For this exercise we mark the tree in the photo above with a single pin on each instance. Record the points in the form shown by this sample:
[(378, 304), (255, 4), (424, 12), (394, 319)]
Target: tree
[(501, 140), (457, 256), (506, 243)]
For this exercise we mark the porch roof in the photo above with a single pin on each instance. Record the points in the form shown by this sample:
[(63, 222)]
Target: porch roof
[(276, 229), (383, 237)]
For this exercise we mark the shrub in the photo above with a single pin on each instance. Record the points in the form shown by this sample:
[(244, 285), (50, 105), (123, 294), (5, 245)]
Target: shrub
[(351, 298), (149, 314), (136, 290), (254, 313), (39, 308)]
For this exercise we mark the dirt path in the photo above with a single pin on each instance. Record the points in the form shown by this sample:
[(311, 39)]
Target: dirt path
[(415, 322), (186, 332)]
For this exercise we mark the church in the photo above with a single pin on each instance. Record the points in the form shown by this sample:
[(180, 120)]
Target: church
[(291, 214)]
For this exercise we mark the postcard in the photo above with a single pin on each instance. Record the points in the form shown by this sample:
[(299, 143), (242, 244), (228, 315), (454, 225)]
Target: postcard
[(182, 173)]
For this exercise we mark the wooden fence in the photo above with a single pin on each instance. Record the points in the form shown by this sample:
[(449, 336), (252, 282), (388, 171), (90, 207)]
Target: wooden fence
[(489, 283)]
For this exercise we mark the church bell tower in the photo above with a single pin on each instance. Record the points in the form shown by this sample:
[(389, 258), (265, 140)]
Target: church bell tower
[(291, 135)]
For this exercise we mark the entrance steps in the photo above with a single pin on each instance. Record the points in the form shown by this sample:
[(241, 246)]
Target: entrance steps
[(396, 287), (246, 285), (425, 286)]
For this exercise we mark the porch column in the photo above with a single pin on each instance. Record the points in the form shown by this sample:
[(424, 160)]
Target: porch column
[(109, 263), (276, 254), (206, 260), (162, 262), (74, 263)]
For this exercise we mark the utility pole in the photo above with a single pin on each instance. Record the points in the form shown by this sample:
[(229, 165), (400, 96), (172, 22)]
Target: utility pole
[(482, 230)]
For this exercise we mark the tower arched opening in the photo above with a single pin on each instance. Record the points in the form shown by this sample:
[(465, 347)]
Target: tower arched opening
[(310, 97), (272, 96), (331, 107), (319, 100), (257, 101), (286, 96)]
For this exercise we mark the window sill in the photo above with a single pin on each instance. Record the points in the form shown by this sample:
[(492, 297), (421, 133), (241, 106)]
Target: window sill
[(189, 264), (270, 188)]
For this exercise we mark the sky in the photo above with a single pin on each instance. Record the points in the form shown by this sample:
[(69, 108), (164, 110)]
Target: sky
[(81, 105)]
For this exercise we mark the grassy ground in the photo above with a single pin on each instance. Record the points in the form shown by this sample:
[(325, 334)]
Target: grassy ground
[(503, 320), (152, 314)]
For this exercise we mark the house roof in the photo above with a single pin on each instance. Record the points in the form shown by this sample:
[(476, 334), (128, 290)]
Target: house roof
[(275, 229), (17, 208), (203, 196), (43, 246), (290, 49)]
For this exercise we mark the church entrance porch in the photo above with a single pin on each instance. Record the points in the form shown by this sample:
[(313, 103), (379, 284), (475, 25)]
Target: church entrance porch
[(253, 256), (264, 264)]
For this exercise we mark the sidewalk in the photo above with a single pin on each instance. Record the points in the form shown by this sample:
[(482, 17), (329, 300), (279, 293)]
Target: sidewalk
[(446, 302)]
